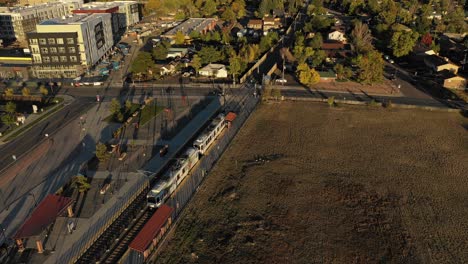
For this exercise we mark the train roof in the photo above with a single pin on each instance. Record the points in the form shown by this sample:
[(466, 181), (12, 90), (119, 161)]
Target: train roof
[(158, 187)]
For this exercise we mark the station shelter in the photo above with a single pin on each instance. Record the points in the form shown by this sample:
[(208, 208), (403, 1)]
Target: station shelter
[(149, 237), (40, 221)]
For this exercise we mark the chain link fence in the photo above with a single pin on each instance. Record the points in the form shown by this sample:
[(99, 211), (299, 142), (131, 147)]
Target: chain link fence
[(95, 229)]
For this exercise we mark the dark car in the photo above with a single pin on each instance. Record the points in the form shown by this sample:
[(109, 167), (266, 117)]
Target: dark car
[(163, 151)]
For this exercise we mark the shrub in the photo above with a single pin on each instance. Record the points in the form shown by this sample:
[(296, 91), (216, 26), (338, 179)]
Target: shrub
[(373, 103)]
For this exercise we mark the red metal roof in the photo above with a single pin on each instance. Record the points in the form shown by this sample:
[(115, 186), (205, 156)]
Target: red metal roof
[(230, 116), (151, 229), (43, 215)]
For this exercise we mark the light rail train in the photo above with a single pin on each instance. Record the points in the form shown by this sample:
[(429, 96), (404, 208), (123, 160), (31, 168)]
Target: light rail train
[(174, 176)]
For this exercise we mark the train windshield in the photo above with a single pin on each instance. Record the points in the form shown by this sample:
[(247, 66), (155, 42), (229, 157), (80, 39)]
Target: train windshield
[(152, 199)]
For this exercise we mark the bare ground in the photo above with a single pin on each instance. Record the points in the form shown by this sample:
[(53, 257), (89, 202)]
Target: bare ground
[(333, 185)]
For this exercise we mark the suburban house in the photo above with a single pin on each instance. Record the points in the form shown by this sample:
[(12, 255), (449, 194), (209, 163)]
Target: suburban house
[(256, 24), (452, 81), (437, 64), (327, 76), (337, 35), (214, 70), (333, 48), (271, 23)]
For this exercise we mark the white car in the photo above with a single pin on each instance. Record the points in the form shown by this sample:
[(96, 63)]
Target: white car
[(281, 80)]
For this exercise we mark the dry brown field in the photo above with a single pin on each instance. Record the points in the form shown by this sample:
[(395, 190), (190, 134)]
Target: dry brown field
[(306, 183)]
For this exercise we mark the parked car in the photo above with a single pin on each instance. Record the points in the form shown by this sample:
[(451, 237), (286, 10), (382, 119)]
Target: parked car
[(163, 151), (281, 80)]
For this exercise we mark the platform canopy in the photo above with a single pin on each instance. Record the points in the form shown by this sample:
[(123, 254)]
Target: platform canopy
[(43, 215), (151, 229)]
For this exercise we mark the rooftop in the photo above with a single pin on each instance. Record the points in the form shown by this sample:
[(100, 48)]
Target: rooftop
[(72, 19), (44, 215), (437, 60), (213, 66), (151, 229), (191, 24)]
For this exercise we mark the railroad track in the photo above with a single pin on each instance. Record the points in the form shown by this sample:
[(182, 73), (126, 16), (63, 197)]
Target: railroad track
[(103, 245), (119, 249)]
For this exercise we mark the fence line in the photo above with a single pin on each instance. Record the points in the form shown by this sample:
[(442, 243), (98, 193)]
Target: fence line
[(100, 225), (186, 191)]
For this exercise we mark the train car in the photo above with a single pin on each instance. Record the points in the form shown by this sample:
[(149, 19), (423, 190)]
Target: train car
[(172, 178), (210, 134)]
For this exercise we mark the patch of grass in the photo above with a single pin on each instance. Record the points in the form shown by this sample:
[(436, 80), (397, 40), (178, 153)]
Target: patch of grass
[(149, 112), (20, 130), (111, 118)]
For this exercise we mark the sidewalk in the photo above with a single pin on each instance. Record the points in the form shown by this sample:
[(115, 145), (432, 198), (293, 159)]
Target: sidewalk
[(34, 119)]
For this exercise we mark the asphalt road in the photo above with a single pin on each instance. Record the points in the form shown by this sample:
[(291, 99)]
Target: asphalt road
[(25, 142)]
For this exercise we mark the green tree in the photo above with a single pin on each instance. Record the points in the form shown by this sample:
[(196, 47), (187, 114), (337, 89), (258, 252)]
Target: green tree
[(228, 14), (43, 90), (402, 42), (371, 67), (161, 50), (316, 41), (343, 73), (306, 75), (128, 105), (196, 63), (215, 36), (142, 64), (81, 183), (209, 54), (194, 34), (361, 38), (238, 7), (9, 92), (209, 8), (101, 152), (10, 108), (179, 38), (25, 91), (318, 57), (115, 106), (339, 70), (235, 66)]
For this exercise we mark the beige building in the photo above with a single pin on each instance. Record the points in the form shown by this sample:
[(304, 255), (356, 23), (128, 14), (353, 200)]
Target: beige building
[(16, 22), (453, 81), (69, 47), (438, 64)]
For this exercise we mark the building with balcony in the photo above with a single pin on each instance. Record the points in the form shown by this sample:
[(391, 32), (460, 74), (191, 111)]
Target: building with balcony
[(68, 47), (16, 22)]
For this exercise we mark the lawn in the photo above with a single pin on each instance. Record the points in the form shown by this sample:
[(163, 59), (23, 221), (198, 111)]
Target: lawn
[(353, 184), (127, 114), (151, 110)]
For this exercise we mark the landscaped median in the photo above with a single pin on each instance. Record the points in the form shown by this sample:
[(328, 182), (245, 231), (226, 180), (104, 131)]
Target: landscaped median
[(55, 105)]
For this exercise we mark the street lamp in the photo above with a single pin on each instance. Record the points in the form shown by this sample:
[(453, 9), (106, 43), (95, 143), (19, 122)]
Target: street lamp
[(3, 231), (35, 201)]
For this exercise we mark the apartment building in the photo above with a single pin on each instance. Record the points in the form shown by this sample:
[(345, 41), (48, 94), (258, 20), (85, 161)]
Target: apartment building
[(68, 47), (123, 14), (15, 22)]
